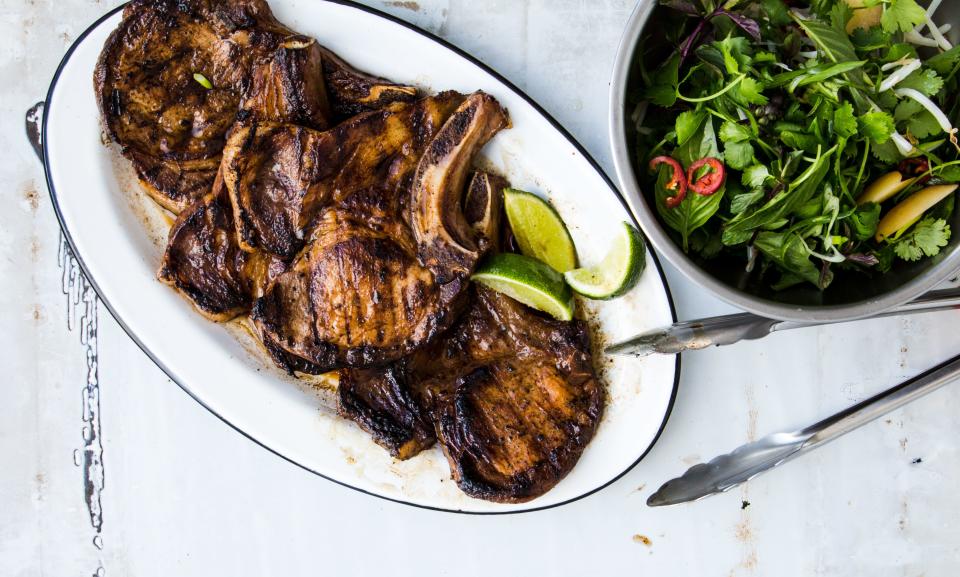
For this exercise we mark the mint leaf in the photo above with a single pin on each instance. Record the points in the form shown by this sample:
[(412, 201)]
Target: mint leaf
[(755, 176), (743, 201), (877, 126), (844, 121), (902, 16)]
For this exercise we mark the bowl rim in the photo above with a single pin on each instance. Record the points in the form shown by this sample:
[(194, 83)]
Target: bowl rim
[(661, 241)]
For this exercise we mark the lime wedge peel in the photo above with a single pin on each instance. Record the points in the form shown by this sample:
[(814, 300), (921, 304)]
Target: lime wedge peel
[(619, 271), (539, 230), (529, 281)]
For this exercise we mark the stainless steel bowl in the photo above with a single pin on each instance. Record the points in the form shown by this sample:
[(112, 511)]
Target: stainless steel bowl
[(849, 297)]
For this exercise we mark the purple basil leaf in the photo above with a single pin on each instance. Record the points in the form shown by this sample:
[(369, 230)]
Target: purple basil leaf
[(691, 42), (684, 6), (748, 25), (863, 259)]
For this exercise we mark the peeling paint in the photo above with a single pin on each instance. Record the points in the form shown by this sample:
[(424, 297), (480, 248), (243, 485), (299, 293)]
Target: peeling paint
[(82, 308)]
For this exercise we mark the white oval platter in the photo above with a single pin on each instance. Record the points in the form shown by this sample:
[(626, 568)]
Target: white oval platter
[(117, 236)]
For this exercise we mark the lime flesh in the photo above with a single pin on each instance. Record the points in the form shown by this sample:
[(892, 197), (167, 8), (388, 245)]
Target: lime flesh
[(529, 281), (618, 273), (539, 230)]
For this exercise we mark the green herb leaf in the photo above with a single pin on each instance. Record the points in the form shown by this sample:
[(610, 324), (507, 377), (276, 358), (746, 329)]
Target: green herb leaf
[(800, 141), (663, 84), (688, 123), (864, 220), (923, 125), (785, 202), (902, 16), (748, 91), (818, 73), (926, 238), (735, 132), (831, 40), (700, 145), (925, 81), (877, 126), (887, 153), (743, 201), (202, 80), (755, 176), (844, 121), (790, 253), (691, 214), (738, 155), (945, 62)]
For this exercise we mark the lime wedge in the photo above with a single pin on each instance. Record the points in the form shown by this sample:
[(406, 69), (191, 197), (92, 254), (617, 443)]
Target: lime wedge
[(619, 271), (539, 230), (528, 281)]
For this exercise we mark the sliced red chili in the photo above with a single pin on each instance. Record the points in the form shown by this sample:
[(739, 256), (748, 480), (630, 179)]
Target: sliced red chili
[(677, 182), (915, 167), (711, 181)]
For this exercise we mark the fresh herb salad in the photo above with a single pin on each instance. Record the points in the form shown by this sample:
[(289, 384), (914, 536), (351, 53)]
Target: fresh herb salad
[(805, 137)]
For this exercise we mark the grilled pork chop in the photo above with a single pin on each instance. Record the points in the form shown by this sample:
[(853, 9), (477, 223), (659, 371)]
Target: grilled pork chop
[(281, 176), (359, 295), (204, 262), (172, 127), (511, 394), (379, 399)]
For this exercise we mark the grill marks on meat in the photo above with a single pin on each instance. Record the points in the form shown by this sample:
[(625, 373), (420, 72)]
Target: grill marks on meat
[(171, 127), (514, 419), (203, 261), (512, 395), (281, 176), (354, 244), (445, 242), (379, 401), (359, 294)]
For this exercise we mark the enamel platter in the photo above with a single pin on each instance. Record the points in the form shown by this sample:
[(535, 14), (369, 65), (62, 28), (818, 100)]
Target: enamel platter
[(118, 235)]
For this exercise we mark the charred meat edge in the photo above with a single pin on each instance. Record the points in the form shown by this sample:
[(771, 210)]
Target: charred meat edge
[(445, 242)]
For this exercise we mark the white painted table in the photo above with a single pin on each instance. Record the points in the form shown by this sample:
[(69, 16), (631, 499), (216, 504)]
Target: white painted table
[(183, 494)]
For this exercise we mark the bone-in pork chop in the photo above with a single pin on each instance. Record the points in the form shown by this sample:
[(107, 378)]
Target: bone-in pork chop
[(359, 294)]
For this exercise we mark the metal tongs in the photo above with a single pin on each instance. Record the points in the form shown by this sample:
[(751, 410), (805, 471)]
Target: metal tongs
[(730, 329), (727, 471)]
